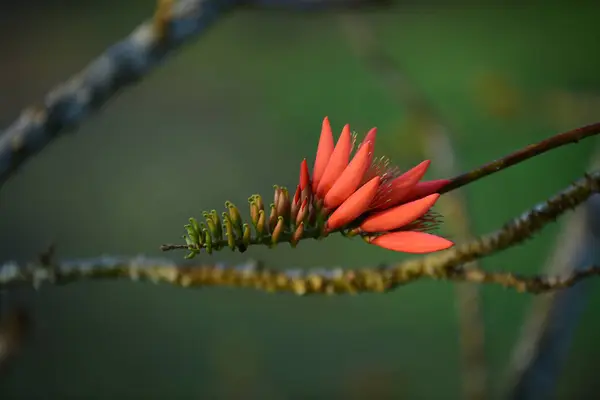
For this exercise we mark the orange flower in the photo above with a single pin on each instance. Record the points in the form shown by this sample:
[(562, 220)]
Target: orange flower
[(368, 197)]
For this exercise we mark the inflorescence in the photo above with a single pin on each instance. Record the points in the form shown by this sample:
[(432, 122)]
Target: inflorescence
[(356, 196)]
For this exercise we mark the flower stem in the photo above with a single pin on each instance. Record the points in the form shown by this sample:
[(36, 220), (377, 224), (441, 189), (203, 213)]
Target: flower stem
[(530, 151)]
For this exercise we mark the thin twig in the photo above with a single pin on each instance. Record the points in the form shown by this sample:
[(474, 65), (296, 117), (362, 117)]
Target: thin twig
[(515, 232), (572, 136), (436, 145)]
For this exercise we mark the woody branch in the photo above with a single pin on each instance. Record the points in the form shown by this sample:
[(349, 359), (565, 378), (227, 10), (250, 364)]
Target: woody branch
[(446, 265), (123, 64), (133, 58)]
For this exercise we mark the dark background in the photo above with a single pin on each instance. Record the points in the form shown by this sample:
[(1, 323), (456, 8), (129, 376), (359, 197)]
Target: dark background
[(234, 113)]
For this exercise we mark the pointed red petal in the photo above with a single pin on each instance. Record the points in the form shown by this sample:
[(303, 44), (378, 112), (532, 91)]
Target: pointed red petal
[(351, 178), (399, 216), (426, 188), (324, 151), (400, 187), (356, 204), (371, 136), (304, 175), (412, 242), (337, 162)]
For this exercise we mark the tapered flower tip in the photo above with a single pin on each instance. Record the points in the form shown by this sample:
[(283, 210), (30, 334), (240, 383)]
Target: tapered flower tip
[(397, 217), (354, 206), (370, 137), (304, 175), (324, 151), (399, 188), (426, 188), (412, 242), (351, 178), (337, 162)]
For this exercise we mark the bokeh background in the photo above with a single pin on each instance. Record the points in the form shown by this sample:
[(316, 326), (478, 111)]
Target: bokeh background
[(232, 114)]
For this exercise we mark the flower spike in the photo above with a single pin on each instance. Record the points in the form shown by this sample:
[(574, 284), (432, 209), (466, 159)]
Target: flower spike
[(357, 196)]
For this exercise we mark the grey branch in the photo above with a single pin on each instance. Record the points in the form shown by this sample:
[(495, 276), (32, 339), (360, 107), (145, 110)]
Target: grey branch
[(252, 274), (123, 64), (119, 66)]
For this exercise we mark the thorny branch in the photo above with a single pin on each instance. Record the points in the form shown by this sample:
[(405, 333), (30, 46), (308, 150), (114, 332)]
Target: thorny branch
[(444, 265)]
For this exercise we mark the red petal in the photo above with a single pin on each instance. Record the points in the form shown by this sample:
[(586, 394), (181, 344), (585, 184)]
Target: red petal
[(304, 175), (351, 178), (324, 151), (371, 136), (337, 162), (426, 188), (400, 187), (399, 216), (412, 242), (356, 204)]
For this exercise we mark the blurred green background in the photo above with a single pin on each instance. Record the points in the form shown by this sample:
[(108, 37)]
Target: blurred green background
[(234, 113)]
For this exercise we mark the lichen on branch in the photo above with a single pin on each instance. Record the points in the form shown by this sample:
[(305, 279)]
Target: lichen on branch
[(446, 265)]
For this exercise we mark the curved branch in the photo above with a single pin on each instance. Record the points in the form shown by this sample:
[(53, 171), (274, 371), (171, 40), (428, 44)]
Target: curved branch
[(123, 64), (253, 274), (444, 265), (119, 66)]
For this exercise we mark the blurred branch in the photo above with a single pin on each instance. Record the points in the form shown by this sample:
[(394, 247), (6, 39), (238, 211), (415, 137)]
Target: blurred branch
[(443, 265), (436, 144), (317, 5), (546, 335), (253, 274), (125, 63), (119, 66)]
